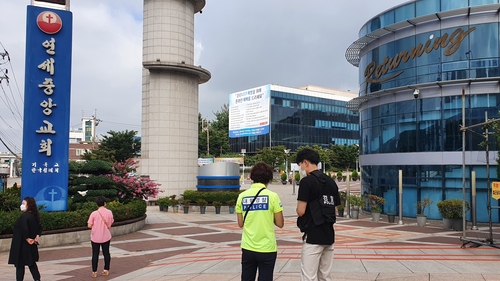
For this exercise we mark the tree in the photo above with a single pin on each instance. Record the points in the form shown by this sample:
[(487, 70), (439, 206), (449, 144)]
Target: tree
[(98, 154), (324, 154), (218, 134), (345, 156), (118, 146), (130, 185), (274, 156), (94, 182), (496, 132)]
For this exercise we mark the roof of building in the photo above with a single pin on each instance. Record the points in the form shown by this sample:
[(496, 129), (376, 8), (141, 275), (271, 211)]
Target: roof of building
[(317, 91)]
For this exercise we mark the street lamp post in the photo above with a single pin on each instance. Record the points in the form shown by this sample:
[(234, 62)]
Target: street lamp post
[(243, 151), (287, 151), (207, 128)]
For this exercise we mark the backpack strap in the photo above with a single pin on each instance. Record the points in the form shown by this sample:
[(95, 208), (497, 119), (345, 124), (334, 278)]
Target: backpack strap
[(314, 173), (251, 204)]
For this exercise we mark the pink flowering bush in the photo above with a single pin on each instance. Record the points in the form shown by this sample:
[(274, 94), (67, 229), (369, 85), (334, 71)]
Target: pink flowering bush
[(129, 185)]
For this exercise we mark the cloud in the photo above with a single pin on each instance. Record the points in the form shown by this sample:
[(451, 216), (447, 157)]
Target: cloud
[(244, 44)]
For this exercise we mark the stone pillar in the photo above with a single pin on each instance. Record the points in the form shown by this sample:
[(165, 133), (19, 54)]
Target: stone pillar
[(169, 149)]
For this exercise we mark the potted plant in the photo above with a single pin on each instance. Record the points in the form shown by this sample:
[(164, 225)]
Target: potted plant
[(452, 212), (283, 178), (203, 205), (231, 204), (174, 203), (355, 201), (297, 178), (340, 209), (375, 202), (339, 175), (421, 216), (164, 202), (391, 216), (185, 205), (355, 175), (217, 206)]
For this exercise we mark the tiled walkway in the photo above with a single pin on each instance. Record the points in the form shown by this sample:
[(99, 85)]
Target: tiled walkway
[(176, 246)]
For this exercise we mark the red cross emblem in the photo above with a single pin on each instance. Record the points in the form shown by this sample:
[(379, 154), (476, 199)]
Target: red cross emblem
[(49, 22)]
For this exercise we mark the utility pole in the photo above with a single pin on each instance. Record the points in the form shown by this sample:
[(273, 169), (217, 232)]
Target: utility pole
[(94, 124), (207, 128)]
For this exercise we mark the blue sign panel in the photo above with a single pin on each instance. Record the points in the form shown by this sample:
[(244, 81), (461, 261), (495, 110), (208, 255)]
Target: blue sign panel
[(260, 203), (46, 107)]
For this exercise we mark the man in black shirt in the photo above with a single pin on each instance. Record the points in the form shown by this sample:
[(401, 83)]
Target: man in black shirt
[(315, 218)]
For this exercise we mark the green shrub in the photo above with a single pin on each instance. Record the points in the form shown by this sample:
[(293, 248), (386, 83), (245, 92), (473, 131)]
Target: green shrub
[(96, 167), (283, 177), (10, 199), (221, 196), (201, 202), (7, 221), (297, 177), (64, 220), (452, 208), (164, 201)]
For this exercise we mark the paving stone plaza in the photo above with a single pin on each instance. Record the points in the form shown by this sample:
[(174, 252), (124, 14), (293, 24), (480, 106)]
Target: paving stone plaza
[(177, 246)]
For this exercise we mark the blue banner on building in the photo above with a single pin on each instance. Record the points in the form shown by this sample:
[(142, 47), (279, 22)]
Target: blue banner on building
[(47, 107)]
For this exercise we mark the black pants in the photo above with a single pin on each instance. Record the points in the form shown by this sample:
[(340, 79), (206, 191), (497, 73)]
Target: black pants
[(95, 255), (33, 269), (251, 260)]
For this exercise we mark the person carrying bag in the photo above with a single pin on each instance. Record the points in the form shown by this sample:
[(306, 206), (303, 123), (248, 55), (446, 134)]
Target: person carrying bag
[(258, 210), (100, 222)]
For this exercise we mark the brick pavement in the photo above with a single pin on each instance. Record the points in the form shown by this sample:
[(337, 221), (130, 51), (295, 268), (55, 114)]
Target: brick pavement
[(206, 247)]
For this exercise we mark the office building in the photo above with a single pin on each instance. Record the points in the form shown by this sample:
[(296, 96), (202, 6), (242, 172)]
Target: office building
[(414, 61), (273, 115)]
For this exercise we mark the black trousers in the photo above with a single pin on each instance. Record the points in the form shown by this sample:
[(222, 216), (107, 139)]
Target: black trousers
[(33, 269), (95, 255), (251, 261)]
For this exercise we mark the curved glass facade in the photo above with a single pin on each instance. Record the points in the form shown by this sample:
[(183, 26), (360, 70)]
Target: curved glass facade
[(476, 56), (421, 135), (416, 9), (300, 120)]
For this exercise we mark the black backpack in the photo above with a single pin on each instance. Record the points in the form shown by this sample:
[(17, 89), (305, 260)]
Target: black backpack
[(322, 209)]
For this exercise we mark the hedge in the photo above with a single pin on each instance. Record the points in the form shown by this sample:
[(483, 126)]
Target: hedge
[(78, 218), (220, 196)]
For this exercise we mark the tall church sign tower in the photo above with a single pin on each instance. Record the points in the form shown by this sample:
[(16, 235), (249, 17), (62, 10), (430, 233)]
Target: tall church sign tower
[(170, 80), (47, 91)]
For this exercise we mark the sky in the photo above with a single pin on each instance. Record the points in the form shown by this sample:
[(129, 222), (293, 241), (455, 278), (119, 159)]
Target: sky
[(244, 44)]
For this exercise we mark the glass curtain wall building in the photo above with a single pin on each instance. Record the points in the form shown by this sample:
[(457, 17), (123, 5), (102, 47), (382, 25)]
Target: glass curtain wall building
[(297, 116), (414, 60)]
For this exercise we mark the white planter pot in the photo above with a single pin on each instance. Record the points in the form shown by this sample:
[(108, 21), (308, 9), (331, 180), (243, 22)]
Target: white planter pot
[(421, 220), (375, 217), (355, 213)]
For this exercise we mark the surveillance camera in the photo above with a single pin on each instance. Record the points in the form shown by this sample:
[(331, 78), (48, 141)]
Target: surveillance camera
[(415, 93)]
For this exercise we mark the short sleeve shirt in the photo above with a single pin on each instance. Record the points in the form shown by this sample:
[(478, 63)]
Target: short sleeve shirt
[(309, 190), (100, 232), (258, 229)]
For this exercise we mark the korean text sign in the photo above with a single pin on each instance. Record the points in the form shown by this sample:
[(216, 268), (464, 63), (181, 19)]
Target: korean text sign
[(47, 107)]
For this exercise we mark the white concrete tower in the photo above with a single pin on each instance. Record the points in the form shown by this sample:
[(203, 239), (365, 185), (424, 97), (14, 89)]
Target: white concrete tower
[(170, 82)]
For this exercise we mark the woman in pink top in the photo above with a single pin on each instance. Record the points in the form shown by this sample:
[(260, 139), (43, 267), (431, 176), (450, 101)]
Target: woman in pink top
[(100, 222)]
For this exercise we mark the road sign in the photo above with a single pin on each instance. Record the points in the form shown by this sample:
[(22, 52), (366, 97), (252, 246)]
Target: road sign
[(495, 188)]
